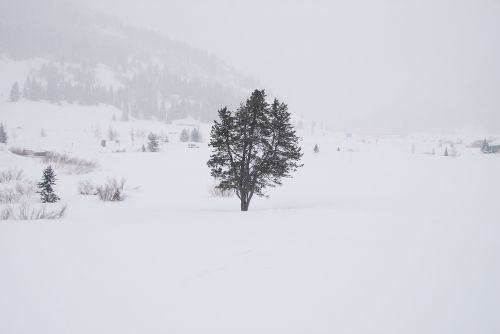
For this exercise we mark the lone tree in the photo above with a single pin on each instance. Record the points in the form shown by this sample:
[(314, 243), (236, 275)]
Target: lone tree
[(3, 134), (15, 94), (46, 192), (184, 137), (153, 142), (316, 149), (253, 148)]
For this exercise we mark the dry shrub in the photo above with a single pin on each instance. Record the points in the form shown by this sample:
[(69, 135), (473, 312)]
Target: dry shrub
[(70, 165), (13, 187), (86, 187), (112, 190), (9, 195), (12, 174), (25, 211)]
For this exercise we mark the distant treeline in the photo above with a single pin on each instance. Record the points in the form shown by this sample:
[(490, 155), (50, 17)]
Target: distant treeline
[(149, 93)]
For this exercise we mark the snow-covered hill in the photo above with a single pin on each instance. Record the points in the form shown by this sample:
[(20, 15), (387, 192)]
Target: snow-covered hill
[(59, 52)]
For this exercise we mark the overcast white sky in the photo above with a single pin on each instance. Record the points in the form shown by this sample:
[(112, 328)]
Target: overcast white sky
[(369, 65)]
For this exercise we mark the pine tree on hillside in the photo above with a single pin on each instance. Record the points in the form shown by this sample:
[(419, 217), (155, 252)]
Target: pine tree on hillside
[(316, 149), (184, 137), (195, 135), (153, 142), (446, 152), (338, 148), (3, 134), (253, 148), (15, 94), (46, 191)]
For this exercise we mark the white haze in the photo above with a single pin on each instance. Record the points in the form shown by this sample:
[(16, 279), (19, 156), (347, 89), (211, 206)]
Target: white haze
[(378, 66)]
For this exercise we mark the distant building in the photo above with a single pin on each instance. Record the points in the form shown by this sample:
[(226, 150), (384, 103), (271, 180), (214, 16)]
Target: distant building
[(487, 148)]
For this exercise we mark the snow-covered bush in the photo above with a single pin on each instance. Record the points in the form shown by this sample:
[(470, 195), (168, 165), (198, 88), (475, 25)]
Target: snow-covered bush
[(9, 175), (5, 213), (14, 187), (454, 152), (13, 194), (9, 195), (112, 190), (25, 211), (86, 187)]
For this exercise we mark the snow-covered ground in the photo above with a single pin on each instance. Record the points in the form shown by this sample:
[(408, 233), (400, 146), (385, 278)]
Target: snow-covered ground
[(369, 239)]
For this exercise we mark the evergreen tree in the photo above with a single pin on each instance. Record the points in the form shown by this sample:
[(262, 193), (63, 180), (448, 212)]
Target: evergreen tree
[(3, 134), (143, 148), (253, 148), (446, 152), (42, 133), (316, 149), (46, 191), (195, 135), (153, 142), (15, 94), (184, 136), (338, 148)]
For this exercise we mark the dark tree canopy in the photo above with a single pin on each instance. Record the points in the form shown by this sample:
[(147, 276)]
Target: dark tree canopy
[(253, 148)]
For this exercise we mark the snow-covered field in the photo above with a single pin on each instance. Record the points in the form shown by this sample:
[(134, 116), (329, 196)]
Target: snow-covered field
[(370, 239)]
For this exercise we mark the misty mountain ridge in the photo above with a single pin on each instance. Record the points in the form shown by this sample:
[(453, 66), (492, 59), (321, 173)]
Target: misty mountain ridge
[(91, 58)]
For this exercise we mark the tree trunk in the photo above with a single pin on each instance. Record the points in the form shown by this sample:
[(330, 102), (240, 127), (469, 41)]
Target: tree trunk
[(244, 204)]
